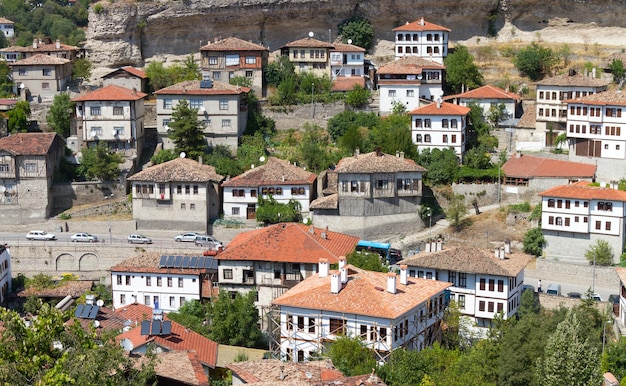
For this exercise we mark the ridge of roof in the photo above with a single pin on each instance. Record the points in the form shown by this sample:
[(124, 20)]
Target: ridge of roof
[(443, 108), (192, 87), (233, 44), (585, 191), (420, 25), (486, 92), (375, 163), (274, 172), (178, 169), (111, 93), (531, 166)]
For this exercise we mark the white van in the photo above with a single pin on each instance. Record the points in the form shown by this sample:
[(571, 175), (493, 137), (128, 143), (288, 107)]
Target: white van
[(554, 289)]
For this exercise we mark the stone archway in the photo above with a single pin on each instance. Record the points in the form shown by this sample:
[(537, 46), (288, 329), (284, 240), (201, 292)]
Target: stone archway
[(66, 262), (89, 262)]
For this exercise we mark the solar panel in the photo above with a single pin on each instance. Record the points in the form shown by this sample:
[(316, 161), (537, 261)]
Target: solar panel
[(94, 312), (167, 328), (185, 263), (208, 262), (163, 261), (145, 327), (178, 261), (170, 261), (156, 327), (79, 310), (194, 262), (86, 311)]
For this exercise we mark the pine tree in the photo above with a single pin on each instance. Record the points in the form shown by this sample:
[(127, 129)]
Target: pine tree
[(187, 131)]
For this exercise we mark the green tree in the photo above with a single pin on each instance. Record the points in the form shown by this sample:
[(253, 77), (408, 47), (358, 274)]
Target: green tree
[(614, 359), (393, 134), (234, 321), (100, 163), (223, 160), (240, 81), (313, 149), (617, 69), (193, 315), (456, 210), (497, 113), (358, 29), (58, 117), (338, 125), (351, 356), (163, 155), (533, 242), (269, 211), (280, 69), (366, 260), (461, 71), (601, 252), (6, 80), (568, 359), (442, 165), (18, 117), (187, 131), (357, 97), (81, 68), (535, 61), (158, 75)]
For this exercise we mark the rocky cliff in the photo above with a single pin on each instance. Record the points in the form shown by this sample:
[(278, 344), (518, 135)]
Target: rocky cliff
[(128, 32)]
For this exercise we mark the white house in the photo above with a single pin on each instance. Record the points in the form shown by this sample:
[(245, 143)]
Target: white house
[(487, 97), (7, 27), (575, 216), (162, 281), (386, 313), (440, 125), (5, 274), (422, 38), (276, 178), (484, 283), (407, 80)]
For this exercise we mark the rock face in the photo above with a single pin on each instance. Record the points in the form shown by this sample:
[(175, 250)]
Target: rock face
[(124, 33)]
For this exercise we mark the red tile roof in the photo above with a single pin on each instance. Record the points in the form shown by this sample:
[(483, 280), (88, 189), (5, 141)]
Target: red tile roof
[(308, 43), (41, 59), (275, 172), (111, 93), (178, 169), (131, 70), (529, 117), (181, 339), (342, 47), (605, 98), (443, 108), (183, 368), (5, 21), (233, 44), (582, 190), (347, 83), (527, 166), (621, 272), (29, 143), (289, 242), (365, 293), (192, 87), (486, 92), (420, 25), (377, 163), (411, 65), (274, 370)]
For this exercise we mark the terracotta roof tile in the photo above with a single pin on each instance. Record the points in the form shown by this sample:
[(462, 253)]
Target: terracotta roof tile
[(49, 47), (29, 143), (347, 83), (148, 262), (373, 163), (278, 372), (470, 260), (577, 80), (342, 47), (528, 166), (289, 242), (275, 172), (233, 44), (614, 98), (486, 92), (528, 120), (179, 169), (181, 367), (5, 21), (308, 43), (365, 293), (181, 339), (41, 59), (584, 191), (443, 108), (420, 25), (411, 65), (327, 202), (129, 69), (111, 93), (192, 87), (621, 272)]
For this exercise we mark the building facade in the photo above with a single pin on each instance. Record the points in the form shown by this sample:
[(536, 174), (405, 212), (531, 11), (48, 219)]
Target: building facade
[(5, 274), (41, 75), (127, 77), (423, 39), (178, 194), (309, 55), (40, 47), (7, 27), (440, 125), (487, 97)]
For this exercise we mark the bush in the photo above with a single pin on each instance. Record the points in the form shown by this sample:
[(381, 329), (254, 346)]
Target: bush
[(523, 207), (533, 242), (98, 9)]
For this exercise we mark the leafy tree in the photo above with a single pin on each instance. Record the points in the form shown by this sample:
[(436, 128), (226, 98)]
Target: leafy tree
[(478, 158), (224, 162), (456, 210), (58, 117), (617, 69), (100, 163), (614, 359), (442, 165), (393, 134), (355, 138), (269, 211), (163, 155), (357, 97), (234, 321), (568, 359), (497, 113), (158, 75), (18, 117), (601, 252), (241, 81), (187, 131), (81, 68), (560, 140), (313, 148), (359, 30), (533, 242), (366, 260), (461, 71), (279, 70), (351, 356), (6, 80), (535, 61), (338, 125), (192, 315)]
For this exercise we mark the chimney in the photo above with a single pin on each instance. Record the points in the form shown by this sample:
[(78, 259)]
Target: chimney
[(593, 73), (502, 253), (89, 299), (404, 277), (378, 152), (57, 44), (398, 153), (507, 246), (335, 282), (422, 21), (200, 160), (323, 268), (35, 43), (496, 253), (391, 282), (342, 261), (402, 155), (356, 152), (343, 271), (311, 230), (438, 103), (439, 245)]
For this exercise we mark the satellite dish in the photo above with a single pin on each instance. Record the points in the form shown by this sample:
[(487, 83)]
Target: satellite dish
[(419, 76), (183, 154), (311, 34), (308, 375), (93, 133), (262, 158), (114, 132), (2, 189), (349, 41), (202, 109), (127, 344), (440, 93), (100, 303), (22, 86), (96, 323), (57, 345)]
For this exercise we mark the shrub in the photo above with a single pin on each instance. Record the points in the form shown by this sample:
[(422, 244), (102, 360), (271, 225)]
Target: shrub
[(98, 9)]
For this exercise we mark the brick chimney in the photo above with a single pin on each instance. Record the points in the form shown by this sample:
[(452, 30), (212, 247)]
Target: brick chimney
[(404, 277), (391, 282), (323, 268)]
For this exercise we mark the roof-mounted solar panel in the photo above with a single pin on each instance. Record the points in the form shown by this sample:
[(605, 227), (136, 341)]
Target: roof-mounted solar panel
[(93, 312), (170, 261), (178, 261), (166, 329), (79, 310), (185, 263), (156, 327), (163, 261), (145, 327), (193, 263)]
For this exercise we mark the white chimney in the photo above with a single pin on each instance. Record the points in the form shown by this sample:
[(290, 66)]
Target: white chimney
[(35, 43), (356, 152), (439, 245), (200, 160), (507, 246), (404, 277), (335, 282), (57, 44), (89, 299), (422, 21), (496, 253), (398, 153), (344, 274), (323, 268), (402, 154), (391, 282), (342, 261)]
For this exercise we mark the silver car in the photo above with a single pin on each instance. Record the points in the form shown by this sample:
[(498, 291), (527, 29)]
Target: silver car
[(188, 237), (83, 238), (139, 239)]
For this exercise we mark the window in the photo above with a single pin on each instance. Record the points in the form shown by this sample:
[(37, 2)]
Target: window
[(559, 203), (250, 59), (559, 221), (234, 211), (462, 280), (217, 75), (30, 167), (155, 300), (500, 307), (228, 274), (461, 302), (148, 281), (391, 93), (23, 72), (481, 305), (146, 300), (586, 204), (253, 192), (225, 122), (427, 123), (119, 279), (418, 122), (223, 104), (490, 307), (232, 59), (445, 138), (410, 93), (183, 206), (567, 204), (500, 285), (249, 74), (381, 184), (576, 219), (551, 203), (418, 138), (444, 123), (180, 282), (482, 284), (567, 222), (167, 103), (172, 301), (551, 220), (127, 279), (94, 110), (598, 225), (195, 103), (453, 138), (118, 110), (118, 130), (427, 138), (45, 86), (212, 60), (607, 226), (122, 299), (453, 123), (182, 300), (337, 326), (492, 284)]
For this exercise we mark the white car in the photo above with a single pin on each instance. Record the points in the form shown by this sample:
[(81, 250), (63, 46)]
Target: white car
[(40, 235), (83, 237), (188, 237), (139, 239)]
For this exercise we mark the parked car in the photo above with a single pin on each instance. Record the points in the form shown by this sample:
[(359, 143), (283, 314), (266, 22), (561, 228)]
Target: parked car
[(528, 287), (84, 238), (596, 297), (188, 237), (554, 289), (139, 239), (40, 235), (614, 298), (574, 295), (208, 241)]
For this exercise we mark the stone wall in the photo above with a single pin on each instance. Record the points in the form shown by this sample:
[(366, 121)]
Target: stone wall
[(379, 228), (571, 246), (294, 117), (68, 195)]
